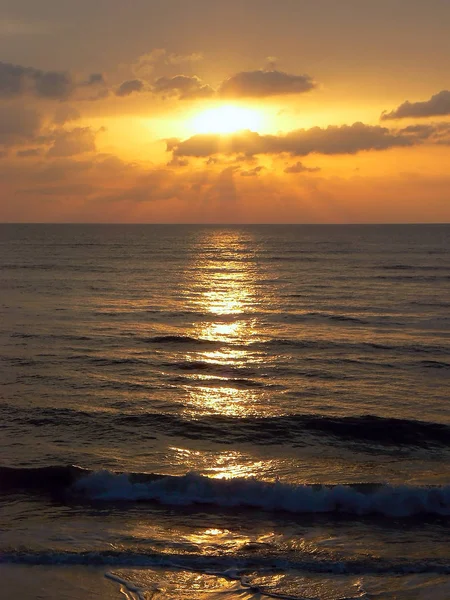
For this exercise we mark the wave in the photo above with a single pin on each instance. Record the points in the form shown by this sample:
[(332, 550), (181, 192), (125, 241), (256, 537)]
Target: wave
[(328, 344), (409, 267), (180, 339), (193, 490), (216, 369), (300, 317), (414, 278), (224, 565), (430, 303), (269, 431), (435, 364)]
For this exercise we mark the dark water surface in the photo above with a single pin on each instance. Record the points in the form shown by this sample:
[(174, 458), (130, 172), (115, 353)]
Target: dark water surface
[(239, 412)]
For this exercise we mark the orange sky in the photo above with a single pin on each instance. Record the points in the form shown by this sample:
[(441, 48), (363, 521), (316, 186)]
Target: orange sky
[(243, 111)]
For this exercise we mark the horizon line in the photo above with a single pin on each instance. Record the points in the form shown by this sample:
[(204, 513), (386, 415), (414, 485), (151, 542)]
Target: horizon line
[(218, 224)]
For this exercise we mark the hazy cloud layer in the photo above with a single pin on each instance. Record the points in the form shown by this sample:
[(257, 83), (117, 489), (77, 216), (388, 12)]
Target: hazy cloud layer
[(30, 153), (101, 187), (345, 139), (261, 84), (71, 143), (9, 27), (64, 114), (158, 58), (437, 105)]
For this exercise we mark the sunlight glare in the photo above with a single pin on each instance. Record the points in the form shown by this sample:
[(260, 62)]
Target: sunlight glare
[(227, 119)]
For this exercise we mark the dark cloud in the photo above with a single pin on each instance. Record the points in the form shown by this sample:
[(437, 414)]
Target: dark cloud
[(299, 167), (207, 144), (252, 172), (71, 143), (18, 124), (260, 84), (183, 86), (437, 105), (128, 87), (345, 139), (16, 80), (95, 79), (32, 152), (423, 131), (178, 162), (435, 133)]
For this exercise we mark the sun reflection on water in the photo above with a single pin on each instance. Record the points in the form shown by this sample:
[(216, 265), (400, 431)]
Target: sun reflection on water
[(223, 465), (222, 288)]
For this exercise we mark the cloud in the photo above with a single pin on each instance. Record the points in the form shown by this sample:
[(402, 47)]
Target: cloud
[(72, 189), (16, 80), (71, 143), (179, 59), (156, 184), (183, 86), (18, 124), (64, 114), (252, 172), (261, 84), (299, 167), (32, 152), (128, 87), (435, 133), (437, 105), (145, 64), (95, 79), (158, 58), (178, 162), (344, 139)]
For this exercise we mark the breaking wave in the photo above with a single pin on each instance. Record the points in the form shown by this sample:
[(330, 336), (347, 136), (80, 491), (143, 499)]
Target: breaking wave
[(193, 490)]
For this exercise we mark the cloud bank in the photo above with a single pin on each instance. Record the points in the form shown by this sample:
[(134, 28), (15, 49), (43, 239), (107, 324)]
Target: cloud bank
[(16, 81), (262, 84), (437, 105), (344, 139)]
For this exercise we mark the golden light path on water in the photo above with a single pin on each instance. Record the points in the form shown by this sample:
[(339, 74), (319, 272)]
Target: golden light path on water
[(225, 291), (225, 294)]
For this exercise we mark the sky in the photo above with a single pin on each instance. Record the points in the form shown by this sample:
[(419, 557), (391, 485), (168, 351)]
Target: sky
[(236, 111)]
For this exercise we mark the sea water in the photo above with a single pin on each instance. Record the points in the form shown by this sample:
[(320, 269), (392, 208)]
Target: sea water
[(224, 411)]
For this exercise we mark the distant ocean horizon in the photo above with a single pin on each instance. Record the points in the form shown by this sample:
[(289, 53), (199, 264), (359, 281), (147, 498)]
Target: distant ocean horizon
[(230, 224), (225, 410)]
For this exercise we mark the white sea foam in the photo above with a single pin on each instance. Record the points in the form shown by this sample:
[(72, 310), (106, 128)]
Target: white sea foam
[(191, 489)]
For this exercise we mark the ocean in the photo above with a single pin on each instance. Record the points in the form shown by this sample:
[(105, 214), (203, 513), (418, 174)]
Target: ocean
[(237, 412)]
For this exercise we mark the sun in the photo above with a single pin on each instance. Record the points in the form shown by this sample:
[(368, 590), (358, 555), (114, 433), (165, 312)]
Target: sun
[(227, 118)]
